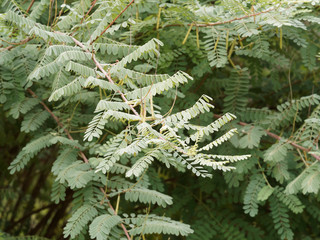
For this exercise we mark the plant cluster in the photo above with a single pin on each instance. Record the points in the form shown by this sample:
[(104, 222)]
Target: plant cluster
[(159, 119)]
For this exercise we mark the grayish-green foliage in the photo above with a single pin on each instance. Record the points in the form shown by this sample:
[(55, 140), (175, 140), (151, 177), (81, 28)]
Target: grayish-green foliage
[(123, 116)]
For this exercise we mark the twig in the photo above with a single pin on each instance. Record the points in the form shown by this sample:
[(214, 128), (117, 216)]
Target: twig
[(304, 161), (17, 44), (30, 6), (114, 211), (264, 175), (98, 65), (33, 212), (222, 22), (55, 20), (92, 5), (58, 122), (112, 22), (275, 136), (202, 81), (234, 19)]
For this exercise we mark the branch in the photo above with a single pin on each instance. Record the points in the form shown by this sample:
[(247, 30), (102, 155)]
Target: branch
[(58, 122), (83, 156), (112, 21), (33, 212), (223, 22), (17, 44), (234, 19), (92, 5), (115, 213), (30, 6), (98, 65), (275, 136)]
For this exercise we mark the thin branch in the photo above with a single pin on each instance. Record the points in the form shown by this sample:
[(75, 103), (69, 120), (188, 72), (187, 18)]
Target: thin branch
[(16, 44), (83, 156), (58, 122), (92, 5), (30, 6), (112, 21), (33, 212), (98, 65), (222, 22), (275, 136), (55, 20), (114, 211)]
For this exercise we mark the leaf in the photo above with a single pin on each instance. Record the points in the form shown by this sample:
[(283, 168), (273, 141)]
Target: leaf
[(251, 195), (162, 227), (264, 193), (58, 192), (277, 152), (33, 121), (101, 226), (79, 220), (281, 219), (311, 183), (146, 196), (251, 137)]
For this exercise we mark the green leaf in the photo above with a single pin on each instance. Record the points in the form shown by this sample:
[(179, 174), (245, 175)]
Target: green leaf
[(265, 193), (101, 226), (277, 152), (251, 136), (79, 220)]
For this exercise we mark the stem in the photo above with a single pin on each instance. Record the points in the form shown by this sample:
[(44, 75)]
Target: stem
[(92, 5), (98, 65), (112, 22), (222, 22), (114, 211), (17, 44), (264, 175), (30, 6), (58, 122), (33, 212)]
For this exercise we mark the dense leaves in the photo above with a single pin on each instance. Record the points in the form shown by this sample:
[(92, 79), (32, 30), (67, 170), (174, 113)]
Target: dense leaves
[(159, 119)]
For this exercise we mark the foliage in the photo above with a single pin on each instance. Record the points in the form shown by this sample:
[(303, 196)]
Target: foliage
[(108, 131)]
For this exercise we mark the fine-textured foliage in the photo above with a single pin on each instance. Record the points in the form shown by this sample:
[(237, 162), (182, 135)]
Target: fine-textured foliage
[(109, 120)]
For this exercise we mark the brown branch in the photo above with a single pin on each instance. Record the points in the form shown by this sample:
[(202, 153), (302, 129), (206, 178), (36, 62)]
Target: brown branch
[(98, 65), (92, 5), (112, 22), (115, 213), (234, 19), (17, 44), (275, 136), (30, 6), (202, 81), (83, 156), (58, 122), (222, 22)]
